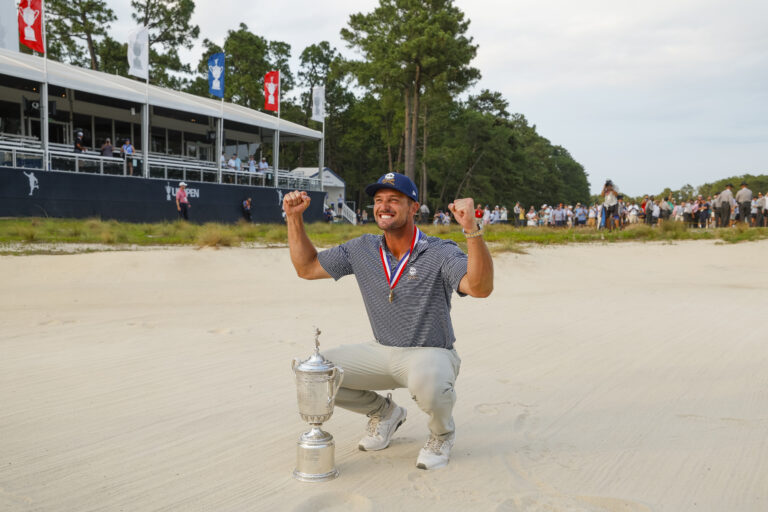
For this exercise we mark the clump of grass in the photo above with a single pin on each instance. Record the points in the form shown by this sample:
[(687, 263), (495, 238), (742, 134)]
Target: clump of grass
[(216, 235), (107, 237)]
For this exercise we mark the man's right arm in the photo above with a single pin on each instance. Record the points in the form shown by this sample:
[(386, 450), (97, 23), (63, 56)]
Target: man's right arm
[(303, 252)]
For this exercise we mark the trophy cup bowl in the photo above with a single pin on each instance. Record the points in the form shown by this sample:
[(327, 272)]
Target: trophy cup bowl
[(317, 382), (29, 16)]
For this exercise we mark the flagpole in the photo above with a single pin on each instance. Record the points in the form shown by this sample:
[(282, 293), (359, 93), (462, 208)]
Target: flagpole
[(44, 96), (220, 149), (277, 133), (145, 127), (322, 157)]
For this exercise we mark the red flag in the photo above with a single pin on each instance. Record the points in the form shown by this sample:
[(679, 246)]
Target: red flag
[(31, 25), (272, 91)]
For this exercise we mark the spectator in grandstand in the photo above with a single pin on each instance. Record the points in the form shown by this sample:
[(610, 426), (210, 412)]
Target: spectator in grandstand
[(79, 144), (263, 165), (231, 164), (744, 198), (106, 148), (128, 155), (251, 164), (247, 209), (182, 203), (238, 163), (223, 160)]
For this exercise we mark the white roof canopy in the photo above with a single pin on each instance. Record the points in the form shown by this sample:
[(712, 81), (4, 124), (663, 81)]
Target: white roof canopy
[(30, 67)]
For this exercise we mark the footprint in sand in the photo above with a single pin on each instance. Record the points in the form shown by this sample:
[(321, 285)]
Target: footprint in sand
[(548, 503), (335, 501), (490, 409)]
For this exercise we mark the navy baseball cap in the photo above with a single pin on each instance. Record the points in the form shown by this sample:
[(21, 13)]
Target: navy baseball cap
[(394, 181)]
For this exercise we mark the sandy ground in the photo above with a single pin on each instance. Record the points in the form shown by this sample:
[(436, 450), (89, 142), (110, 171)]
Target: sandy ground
[(627, 377)]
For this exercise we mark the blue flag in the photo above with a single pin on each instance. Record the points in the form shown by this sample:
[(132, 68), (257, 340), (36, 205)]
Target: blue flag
[(216, 74)]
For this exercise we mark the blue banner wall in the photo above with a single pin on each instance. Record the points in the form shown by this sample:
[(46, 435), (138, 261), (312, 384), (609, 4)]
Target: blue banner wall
[(36, 193)]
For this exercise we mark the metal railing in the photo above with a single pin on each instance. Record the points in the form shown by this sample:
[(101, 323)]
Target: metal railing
[(23, 156)]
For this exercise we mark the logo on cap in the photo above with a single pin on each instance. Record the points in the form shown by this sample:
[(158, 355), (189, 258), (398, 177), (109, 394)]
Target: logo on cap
[(389, 178)]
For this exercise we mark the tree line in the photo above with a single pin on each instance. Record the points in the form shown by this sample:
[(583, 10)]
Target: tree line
[(403, 106)]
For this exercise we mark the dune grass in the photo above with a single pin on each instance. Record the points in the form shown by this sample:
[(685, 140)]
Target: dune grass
[(501, 238)]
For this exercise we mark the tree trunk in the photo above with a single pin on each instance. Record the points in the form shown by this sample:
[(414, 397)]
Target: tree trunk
[(389, 155), (89, 42), (407, 131), (400, 144), (410, 143), (424, 160)]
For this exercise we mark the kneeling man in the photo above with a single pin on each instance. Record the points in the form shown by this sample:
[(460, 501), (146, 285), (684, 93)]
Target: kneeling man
[(406, 279)]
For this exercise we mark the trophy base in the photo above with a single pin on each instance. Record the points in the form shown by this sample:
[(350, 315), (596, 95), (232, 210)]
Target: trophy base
[(315, 457)]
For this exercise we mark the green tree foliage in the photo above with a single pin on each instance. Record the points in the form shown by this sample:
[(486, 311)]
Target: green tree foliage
[(248, 58), (112, 56), (75, 28), (408, 47), (169, 29)]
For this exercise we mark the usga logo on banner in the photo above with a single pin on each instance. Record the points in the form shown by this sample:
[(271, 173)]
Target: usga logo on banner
[(170, 192)]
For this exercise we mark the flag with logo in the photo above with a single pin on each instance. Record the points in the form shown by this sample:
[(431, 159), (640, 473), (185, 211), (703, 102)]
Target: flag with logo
[(138, 53), (216, 74), (31, 25), (272, 91), (318, 103)]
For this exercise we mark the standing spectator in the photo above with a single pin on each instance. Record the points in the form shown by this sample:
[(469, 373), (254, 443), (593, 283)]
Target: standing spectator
[(247, 209), (358, 216), (128, 155), (479, 214), (531, 216), (231, 163), (182, 203), (495, 215), (610, 196), (760, 210), (649, 205), (340, 203), (263, 165), (106, 148), (238, 163), (223, 160), (715, 204), (364, 217), (486, 215), (744, 198), (592, 216), (580, 214), (517, 210), (726, 198), (424, 213), (251, 164), (503, 215)]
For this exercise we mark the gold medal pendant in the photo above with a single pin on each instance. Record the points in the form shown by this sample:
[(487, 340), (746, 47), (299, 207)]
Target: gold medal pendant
[(391, 295)]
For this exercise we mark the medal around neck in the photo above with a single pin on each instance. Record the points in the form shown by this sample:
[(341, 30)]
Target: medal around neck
[(317, 382)]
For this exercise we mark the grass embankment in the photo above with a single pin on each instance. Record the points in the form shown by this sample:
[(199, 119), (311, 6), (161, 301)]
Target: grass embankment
[(502, 238)]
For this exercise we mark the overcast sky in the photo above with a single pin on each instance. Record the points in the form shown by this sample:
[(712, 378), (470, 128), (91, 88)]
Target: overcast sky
[(650, 94)]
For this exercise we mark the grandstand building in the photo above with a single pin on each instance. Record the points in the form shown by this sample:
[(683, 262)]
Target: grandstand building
[(178, 143)]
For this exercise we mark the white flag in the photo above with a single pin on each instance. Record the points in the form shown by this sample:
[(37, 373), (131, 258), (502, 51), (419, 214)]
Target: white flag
[(138, 53), (318, 103), (9, 28)]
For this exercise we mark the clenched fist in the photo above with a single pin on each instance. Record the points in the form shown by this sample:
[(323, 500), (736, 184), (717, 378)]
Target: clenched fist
[(294, 203), (463, 211)]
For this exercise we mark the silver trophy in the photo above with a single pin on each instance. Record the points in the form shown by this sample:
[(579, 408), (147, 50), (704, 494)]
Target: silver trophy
[(317, 382)]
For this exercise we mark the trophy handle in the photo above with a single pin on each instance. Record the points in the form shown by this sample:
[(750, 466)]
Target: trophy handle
[(294, 363), (338, 376)]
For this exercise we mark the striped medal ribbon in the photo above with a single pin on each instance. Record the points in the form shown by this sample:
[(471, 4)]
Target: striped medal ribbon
[(394, 277)]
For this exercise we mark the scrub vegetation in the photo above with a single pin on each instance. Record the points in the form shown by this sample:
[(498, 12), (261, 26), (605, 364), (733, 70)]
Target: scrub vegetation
[(32, 235)]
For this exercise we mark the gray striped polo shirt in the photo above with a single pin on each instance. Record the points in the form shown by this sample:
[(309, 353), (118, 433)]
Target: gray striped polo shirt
[(419, 315)]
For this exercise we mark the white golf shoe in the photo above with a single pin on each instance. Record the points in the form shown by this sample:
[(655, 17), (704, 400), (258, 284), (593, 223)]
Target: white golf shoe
[(381, 427), (436, 452)]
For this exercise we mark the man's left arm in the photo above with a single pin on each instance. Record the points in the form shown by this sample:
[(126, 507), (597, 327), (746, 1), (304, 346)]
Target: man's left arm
[(478, 282)]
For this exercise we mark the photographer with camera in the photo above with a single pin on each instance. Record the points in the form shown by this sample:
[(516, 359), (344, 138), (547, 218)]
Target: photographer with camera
[(610, 195)]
